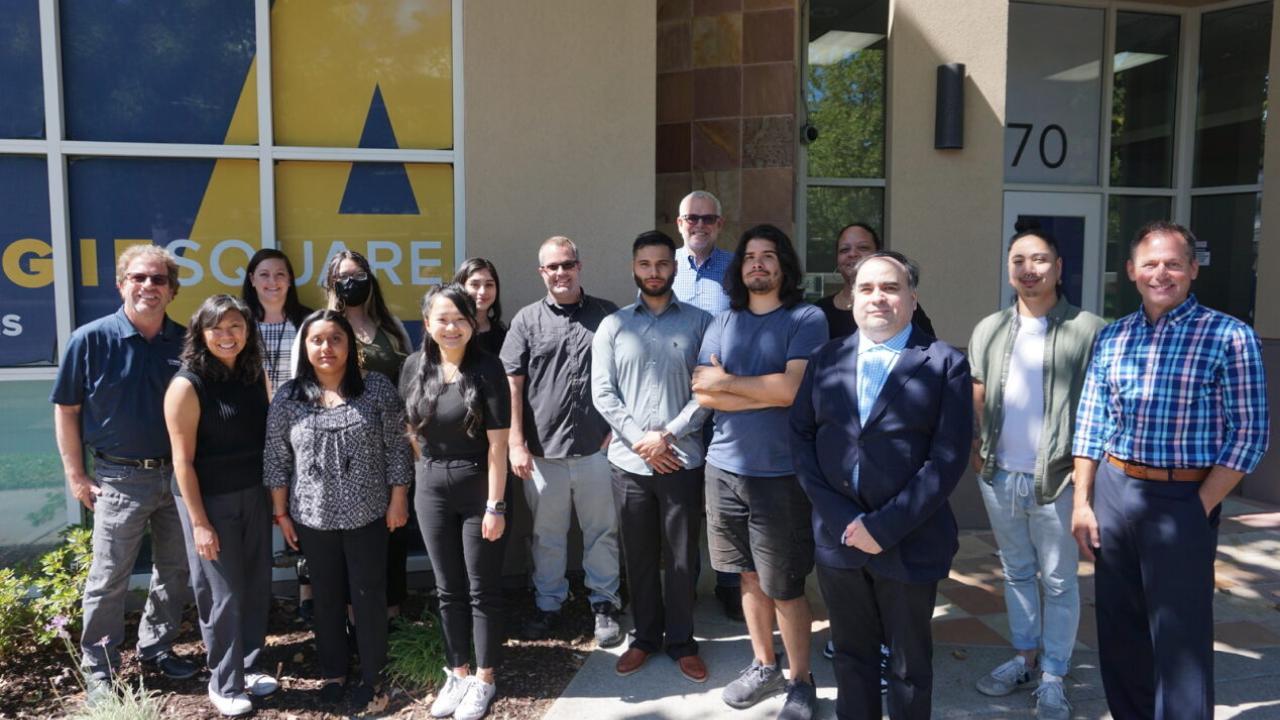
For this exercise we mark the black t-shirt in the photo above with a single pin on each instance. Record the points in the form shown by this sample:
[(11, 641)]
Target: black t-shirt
[(840, 322), (491, 340), (446, 436), (230, 435)]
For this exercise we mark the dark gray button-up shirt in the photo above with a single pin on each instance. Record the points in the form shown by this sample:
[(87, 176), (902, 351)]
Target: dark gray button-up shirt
[(641, 368), (550, 345)]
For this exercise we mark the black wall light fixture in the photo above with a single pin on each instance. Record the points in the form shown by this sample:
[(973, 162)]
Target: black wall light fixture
[(948, 124)]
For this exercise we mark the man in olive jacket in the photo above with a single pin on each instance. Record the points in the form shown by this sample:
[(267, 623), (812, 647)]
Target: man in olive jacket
[(1028, 363)]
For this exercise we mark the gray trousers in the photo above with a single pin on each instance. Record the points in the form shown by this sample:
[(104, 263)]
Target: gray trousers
[(233, 592), (132, 500)]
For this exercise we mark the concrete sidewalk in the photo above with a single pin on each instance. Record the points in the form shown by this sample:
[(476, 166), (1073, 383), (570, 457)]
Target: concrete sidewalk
[(970, 637)]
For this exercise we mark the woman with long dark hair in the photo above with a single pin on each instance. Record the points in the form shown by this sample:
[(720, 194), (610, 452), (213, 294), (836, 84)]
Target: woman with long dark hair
[(458, 414), (479, 278), (272, 297), (216, 413), (338, 465)]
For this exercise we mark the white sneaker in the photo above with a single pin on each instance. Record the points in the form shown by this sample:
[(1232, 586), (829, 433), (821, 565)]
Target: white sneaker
[(230, 705), (450, 696), (260, 684), (476, 703), (1051, 699)]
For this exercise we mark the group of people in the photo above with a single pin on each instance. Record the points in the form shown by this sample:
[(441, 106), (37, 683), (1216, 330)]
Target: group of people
[(828, 436)]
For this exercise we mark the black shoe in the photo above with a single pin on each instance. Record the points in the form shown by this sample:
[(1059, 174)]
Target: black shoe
[(541, 626), (731, 599), (331, 693), (884, 669), (172, 666), (306, 611), (362, 695)]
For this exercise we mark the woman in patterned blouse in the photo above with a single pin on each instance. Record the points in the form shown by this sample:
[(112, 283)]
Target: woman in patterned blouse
[(339, 465)]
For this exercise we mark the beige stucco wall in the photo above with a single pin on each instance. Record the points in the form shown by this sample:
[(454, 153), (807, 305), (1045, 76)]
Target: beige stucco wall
[(945, 206), (1267, 302), (559, 135)]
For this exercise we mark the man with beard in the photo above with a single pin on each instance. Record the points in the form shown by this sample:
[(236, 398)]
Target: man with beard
[(751, 363), (642, 363), (557, 439), (856, 241)]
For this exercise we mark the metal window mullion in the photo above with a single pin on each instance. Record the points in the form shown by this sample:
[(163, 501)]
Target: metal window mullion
[(266, 129), (1225, 190), (459, 165), (1185, 127), (24, 147), (845, 182), (341, 154), (802, 121)]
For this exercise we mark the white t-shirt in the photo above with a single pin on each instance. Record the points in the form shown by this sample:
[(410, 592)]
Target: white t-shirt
[(1023, 398)]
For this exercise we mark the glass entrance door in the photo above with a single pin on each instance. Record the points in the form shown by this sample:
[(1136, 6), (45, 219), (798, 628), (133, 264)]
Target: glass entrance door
[(1075, 221)]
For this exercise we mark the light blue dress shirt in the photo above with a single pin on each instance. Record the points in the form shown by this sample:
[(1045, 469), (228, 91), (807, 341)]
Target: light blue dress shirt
[(875, 362)]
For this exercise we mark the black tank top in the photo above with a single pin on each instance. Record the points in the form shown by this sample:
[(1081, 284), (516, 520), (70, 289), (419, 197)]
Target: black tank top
[(230, 435)]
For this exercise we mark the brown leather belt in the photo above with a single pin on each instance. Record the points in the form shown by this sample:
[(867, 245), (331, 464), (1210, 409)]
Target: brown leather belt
[(1146, 472)]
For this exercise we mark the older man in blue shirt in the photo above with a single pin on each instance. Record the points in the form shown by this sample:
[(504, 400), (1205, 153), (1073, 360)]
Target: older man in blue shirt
[(109, 396)]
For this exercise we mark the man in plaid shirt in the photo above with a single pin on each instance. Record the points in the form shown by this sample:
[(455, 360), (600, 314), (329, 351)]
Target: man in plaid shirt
[(1173, 414)]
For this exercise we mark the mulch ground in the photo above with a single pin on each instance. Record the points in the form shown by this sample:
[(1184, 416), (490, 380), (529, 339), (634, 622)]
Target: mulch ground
[(532, 674)]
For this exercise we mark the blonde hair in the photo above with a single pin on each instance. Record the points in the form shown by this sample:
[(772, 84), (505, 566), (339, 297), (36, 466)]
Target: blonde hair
[(558, 241), (133, 252)]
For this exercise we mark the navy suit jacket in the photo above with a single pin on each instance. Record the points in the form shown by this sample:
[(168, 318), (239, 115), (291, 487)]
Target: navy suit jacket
[(913, 447)]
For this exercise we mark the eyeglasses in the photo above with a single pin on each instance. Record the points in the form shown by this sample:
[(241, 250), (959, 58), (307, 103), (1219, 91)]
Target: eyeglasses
[(140, 278), (357, 276), (567, 265), (704, 219)]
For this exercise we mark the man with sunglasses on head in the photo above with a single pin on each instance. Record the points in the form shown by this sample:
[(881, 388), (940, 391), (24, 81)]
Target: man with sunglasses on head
[(700, 283), (109, 396), (557, 441)]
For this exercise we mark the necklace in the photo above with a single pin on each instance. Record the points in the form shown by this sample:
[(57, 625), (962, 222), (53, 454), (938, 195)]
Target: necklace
[(274, 355)]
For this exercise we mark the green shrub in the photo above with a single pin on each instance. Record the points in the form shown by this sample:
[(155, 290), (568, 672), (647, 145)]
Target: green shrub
[(59, 581), (15, 614), (415, 653)]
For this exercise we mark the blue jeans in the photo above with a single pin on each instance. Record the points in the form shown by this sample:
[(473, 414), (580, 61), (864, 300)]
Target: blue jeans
[(1036, 539), (560, 485)]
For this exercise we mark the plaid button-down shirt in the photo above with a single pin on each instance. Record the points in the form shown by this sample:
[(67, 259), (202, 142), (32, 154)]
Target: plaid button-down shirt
[(702, 287), (1186, 392)]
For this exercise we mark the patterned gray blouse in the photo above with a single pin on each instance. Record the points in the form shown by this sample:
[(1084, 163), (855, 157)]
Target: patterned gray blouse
[(338, 463)]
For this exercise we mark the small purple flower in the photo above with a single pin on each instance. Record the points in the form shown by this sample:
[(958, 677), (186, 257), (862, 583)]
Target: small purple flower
[(105, 641), (60, 621)]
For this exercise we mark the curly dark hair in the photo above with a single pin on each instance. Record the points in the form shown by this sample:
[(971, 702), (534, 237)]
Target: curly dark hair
[(196, 355), (790, 292)]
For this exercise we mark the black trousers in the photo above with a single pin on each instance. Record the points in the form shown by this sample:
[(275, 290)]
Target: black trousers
[(658, 520), (351, 562), (398, 564), (450, 501), (865, 606), (1154, 593)]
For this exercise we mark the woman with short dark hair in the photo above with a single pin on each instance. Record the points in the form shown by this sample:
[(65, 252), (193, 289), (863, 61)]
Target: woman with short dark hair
[(216, 413)]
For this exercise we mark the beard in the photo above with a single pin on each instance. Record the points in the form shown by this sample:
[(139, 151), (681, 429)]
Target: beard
[(760, 285), (666, 286)]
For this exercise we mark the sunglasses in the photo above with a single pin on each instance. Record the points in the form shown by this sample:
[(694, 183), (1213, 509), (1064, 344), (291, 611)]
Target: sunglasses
[(141, 278), (557, 267), (704, 219)]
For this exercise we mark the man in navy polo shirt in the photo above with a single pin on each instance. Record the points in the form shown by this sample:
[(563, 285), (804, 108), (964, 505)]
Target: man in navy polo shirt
[(109, 395)]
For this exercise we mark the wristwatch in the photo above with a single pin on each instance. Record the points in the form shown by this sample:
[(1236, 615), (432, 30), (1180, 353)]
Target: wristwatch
[(496, 508)]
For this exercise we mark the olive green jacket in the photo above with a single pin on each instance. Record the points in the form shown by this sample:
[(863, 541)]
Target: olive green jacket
[(1068, 347)]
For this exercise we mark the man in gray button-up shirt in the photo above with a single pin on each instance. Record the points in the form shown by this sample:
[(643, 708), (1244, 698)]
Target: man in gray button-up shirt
[(557, 438), (642, 364)]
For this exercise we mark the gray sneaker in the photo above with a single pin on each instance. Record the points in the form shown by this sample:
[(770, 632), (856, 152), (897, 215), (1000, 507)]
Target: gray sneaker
[(754, 684), (1051, 700), (476, 702), (1006, 678), (449, 697), (608, 632), (802, 701)]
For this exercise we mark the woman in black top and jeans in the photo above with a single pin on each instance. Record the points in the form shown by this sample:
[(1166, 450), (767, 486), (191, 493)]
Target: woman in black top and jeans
[(216, 413), (458, 414)]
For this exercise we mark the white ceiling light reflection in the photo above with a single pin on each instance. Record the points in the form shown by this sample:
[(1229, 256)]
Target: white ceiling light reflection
[(836, 45), (1089, 71)]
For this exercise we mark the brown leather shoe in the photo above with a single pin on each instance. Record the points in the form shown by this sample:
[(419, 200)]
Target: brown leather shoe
[(692, 667), (631, 661)]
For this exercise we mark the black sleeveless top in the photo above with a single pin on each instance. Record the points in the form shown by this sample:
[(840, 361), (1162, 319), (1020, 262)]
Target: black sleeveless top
[(230, 435)]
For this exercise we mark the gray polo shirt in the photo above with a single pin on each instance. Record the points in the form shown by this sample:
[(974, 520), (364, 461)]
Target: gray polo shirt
[(550, 345), (641, 368)]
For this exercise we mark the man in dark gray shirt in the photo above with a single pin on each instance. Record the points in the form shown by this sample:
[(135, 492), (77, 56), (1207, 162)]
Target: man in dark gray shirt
[(642, 363), (557, 438)]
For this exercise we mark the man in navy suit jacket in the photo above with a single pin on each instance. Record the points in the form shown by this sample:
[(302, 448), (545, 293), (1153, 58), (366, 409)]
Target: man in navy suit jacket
[(881, 431)]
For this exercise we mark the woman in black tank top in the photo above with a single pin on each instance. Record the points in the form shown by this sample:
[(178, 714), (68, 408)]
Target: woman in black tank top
[(216, 413)]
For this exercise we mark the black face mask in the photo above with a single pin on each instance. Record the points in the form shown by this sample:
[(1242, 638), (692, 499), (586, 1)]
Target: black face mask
[(353, 291)]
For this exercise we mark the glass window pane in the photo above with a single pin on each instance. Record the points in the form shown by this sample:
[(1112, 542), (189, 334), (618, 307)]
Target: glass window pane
[(845, 87), (32, 498), (205, 211), (1144, 99), (828, 209), (1125, 216), (1054, 94), (398, 215), (20, 72), (160, 71), (28, 330), (1235, 48), (350, 73), (1227, 228)]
